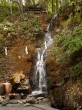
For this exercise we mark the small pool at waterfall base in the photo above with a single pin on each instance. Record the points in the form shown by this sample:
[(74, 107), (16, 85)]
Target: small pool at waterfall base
[(38, 92)]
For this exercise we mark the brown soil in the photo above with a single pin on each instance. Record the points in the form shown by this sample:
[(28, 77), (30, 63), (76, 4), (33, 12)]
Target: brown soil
[(17, 59)]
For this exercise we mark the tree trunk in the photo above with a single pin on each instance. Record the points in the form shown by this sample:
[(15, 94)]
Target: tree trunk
[(10, 3), (34, 4), (21, 6), (57, 6), (52, 6)]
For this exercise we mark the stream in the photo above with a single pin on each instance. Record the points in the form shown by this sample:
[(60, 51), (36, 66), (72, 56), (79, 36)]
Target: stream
[(40, 71)]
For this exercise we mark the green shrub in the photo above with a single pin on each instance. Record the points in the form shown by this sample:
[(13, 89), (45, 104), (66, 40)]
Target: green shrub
[(4, 12), (1, 26), (30, 23), (68, 49), (76, 70)]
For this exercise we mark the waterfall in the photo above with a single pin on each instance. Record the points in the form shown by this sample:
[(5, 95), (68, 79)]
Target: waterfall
[(40, 71)]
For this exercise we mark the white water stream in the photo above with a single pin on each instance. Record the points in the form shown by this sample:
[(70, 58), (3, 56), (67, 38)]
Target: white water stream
[(40, 71)]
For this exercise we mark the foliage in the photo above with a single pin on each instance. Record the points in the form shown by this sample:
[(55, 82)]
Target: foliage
[(74, 21), (1, 26), (71, 8), (4, 12), (74, 40), (27, 23), (68, 49), (30, 23), (76, 70)]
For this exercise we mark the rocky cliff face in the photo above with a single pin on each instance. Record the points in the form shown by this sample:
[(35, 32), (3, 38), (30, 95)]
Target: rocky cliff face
[(64, 92)]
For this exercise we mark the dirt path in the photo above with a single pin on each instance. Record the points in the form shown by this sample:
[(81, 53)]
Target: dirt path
[(19, 107)]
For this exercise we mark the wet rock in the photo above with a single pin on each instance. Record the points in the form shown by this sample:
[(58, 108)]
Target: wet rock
[(40, 98), (24, 87), (20, 102), (40, 101), (24, 101), (1, 99), (31, 100), (20, 84), (39, 94), (13, 102), (5, 102), (15, 96), (11, 96), (36, 101), (45, 100), (27, 104), (18, 97)]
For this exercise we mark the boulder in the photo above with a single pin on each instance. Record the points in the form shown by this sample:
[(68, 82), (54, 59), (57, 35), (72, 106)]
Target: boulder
[(24, 87), (30, 100), (8, 87), (17, 77), (5, 88), (2, 89), (14, 96), (13, 102), (20, 83), (24, 101), (5, 101), (27, 104), (1, 99), (40, 98)]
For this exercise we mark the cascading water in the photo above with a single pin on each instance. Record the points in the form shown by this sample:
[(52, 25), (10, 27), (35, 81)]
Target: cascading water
[(40, 72)]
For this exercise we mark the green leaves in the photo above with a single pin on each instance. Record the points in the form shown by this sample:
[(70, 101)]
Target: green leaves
[(71, 40), (76, 70), (68, 49), (30, 23)]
